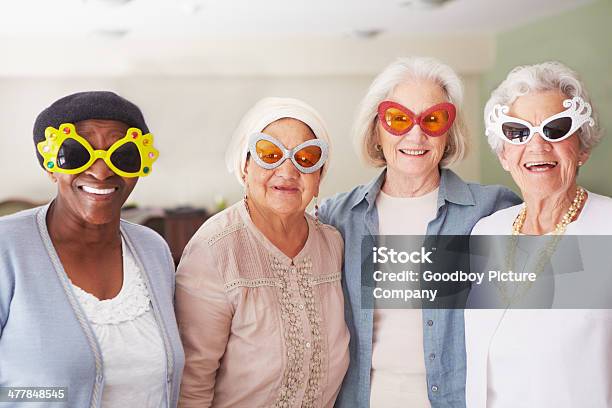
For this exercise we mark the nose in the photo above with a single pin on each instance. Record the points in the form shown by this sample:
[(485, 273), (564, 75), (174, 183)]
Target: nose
[(99, 170), (416, 135), (288, 169), (539, 144)]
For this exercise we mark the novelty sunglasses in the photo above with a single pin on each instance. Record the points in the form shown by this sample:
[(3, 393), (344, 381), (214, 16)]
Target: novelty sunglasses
[(552, 129), (269, 153), (64, 151), (399, 120)]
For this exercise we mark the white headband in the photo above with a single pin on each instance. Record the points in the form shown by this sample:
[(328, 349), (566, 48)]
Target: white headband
[(264, 112)]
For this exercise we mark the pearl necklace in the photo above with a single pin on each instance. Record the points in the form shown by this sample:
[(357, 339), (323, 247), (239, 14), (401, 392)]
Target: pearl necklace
[(567, 218), (546, 253)]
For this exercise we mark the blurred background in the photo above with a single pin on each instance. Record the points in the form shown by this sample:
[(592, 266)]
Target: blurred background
[(196, 66)]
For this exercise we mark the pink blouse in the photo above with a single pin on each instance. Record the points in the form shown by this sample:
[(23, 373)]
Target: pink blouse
[(260, 329)]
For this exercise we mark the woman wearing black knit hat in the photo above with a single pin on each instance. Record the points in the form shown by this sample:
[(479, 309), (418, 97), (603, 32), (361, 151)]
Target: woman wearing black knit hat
[(86, 299)]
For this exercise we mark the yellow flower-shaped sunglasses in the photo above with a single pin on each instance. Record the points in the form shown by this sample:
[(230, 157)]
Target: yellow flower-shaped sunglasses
[(64, 151)]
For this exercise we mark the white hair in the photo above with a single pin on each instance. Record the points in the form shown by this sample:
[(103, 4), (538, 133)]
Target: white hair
[(365, 129), (264, 112), (547, 76)]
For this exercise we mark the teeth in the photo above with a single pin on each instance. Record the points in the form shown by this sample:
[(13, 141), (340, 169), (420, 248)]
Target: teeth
[(542, 163), (92, 190), (413, 152)]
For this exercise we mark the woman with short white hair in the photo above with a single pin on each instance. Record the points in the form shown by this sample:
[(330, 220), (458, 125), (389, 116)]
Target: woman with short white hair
[(258, 296), (541, 125), (410, 123)]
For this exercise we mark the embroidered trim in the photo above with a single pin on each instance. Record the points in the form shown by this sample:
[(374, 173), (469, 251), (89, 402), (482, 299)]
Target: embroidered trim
[(228, 230), (294, 376), (252, 283), (332, 277), (305, 282)]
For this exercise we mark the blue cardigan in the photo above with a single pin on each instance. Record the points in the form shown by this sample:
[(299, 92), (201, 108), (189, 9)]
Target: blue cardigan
[(460, 205), (45, 338)]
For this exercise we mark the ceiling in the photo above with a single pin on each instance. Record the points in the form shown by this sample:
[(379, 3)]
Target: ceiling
[(67, 38), (141, 19)]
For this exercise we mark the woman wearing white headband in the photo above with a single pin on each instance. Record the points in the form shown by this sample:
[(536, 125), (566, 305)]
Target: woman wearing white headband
[(540, 124), (258, 299)]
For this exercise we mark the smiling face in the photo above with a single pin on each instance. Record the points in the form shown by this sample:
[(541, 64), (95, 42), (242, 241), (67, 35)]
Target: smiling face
[(414, 153), (541, 167), (96, 195), (283, 190)]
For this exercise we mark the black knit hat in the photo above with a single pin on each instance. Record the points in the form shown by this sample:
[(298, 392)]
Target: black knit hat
[(87, 105)]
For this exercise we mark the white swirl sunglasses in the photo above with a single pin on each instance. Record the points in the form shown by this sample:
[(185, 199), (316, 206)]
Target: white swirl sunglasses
[(553, 129)]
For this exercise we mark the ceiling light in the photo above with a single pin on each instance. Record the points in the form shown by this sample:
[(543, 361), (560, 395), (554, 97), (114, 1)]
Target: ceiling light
[(111, 33), (367, 34), (192, 6), (423, 4), (109, 2)]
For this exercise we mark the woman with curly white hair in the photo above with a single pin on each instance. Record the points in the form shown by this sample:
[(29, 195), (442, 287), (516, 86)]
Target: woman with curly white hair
[(541, 125)]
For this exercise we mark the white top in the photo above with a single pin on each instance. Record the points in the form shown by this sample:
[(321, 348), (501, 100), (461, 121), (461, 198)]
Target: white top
[(398, 377), (132, 348), (541, 358)]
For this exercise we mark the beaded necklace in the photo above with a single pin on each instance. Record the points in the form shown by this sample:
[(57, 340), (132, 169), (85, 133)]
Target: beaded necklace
[(547, 252), (567, 218)]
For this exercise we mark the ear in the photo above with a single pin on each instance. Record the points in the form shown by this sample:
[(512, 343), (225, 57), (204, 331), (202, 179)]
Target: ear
[(51, 176), (584, 156), (245, 170), (503, 160), (376, 135)]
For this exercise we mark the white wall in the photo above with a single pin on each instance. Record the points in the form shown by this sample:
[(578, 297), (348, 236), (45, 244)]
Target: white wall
[(192, 120), (194, 94)]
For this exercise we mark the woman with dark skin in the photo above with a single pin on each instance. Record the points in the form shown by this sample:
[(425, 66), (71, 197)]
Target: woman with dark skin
[(86, 299), (84, 227)]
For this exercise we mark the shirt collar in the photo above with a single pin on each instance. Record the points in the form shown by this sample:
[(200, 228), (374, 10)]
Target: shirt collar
[(452, 189), (370, 191)]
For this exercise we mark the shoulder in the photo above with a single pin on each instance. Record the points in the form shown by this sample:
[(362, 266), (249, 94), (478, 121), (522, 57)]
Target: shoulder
[(338, 207), (597, 214), (345, 199), (494, 194), (224, 225), (498, 223), (476, 198), (151, 248), (488, 190), (327, 233), (600, 203), (19, 219), (143, 234), (21, 224)]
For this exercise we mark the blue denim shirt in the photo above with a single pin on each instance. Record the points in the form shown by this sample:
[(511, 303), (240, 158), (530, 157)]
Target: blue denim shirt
[(354, 214)]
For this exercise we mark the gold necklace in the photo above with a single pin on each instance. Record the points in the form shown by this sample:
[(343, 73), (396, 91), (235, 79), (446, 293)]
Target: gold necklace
[(567, 218), (547, 252)]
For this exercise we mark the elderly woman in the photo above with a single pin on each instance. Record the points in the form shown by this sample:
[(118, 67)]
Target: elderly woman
[(410, 123), (542, 128), (259, 299), (86, 300)]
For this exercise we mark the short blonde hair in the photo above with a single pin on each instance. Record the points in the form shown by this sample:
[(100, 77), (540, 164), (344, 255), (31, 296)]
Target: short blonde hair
[(547, 76), (365, 131), (264, 112)]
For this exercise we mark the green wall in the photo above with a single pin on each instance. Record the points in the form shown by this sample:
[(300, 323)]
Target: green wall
[(581, 39)]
